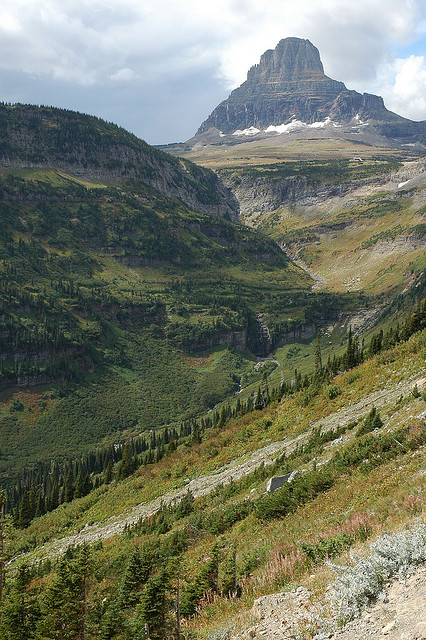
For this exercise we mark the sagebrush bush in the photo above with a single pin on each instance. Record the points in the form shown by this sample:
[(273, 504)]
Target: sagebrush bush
[(224, 633), (361, 582)]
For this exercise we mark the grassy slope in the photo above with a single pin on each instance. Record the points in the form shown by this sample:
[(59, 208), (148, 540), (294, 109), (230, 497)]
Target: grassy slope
[(368, 242), (282, 149), (362, 503)]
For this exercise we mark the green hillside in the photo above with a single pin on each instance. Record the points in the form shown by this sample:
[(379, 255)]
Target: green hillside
[(352, 216), (193, 526), (109, 293), (160, 360)]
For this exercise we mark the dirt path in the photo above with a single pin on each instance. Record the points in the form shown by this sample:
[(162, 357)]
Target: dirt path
[(235, 470)]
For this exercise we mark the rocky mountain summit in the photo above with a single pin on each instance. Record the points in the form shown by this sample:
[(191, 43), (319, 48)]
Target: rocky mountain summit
[(288, 92)]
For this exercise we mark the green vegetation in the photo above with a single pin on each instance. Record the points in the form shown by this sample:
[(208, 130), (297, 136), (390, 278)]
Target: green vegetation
[(134, 404), (198, 562), (328, 171), (41, 489), (104, 291)]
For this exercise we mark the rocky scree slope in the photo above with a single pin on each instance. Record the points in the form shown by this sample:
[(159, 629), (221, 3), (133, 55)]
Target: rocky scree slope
[(87, 146)]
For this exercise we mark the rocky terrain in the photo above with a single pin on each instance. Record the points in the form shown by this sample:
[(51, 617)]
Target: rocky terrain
[(236, 469), (85, 146), (288, 93), (400, 614), (266, 193)]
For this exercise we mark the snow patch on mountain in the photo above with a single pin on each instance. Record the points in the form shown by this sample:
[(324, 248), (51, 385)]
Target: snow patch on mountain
[(294, 125), (297, 125), (251, 131)]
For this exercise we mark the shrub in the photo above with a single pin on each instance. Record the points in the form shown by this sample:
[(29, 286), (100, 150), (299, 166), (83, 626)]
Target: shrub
[(324, 548), (391, 555), (372, 422), (333, 391), (285, 500)]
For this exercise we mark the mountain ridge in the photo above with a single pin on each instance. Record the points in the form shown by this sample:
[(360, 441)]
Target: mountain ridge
[(86, 146)]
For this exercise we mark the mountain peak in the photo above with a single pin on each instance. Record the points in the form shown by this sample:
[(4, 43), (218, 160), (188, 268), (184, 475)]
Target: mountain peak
[(289, 90), (292, 58), (289, 82)]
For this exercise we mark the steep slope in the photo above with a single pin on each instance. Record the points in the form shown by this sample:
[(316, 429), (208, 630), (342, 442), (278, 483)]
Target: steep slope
[(317, 168), (214, 554), (124, 308), (353, 225), (89, 147), (106, 292)]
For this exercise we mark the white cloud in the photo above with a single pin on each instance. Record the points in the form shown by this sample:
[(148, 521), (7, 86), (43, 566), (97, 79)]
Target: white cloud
[(97, 43), (124, 75), (87, 40), (406, 88)]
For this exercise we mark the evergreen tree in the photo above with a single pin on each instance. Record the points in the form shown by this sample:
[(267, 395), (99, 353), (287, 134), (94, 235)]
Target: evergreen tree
[(132, 580), (64, 605), (372, 422), (108, 472), (205, 581), (26, 510), (153, 606), (128, 463), (20, 612), (229, 571), (53, 502), (318, 356), (41, 505), (69, 487), (79, 490)]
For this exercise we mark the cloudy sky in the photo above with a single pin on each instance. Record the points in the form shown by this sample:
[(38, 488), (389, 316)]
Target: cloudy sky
[(159, 67)]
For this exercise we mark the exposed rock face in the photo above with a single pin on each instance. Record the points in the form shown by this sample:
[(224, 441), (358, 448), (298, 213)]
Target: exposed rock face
[(86, 146), (289, 84)]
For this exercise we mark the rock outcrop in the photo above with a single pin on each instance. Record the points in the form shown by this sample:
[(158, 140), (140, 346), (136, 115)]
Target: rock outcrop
[(289, 86)]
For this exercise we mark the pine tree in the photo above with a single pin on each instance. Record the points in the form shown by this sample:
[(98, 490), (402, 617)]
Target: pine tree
[(132, 580), (69, 487), (318, 356), (108, 472), (41, 505), (153, 606), (20, 612), (79, 486), (127, 464), (205, 581), (229, 571), (26, 510), (54, 496), (65, 603), (372, 422)]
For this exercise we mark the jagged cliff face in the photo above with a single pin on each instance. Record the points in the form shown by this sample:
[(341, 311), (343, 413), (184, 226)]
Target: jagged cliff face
[(288, 82), (289, 85)]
